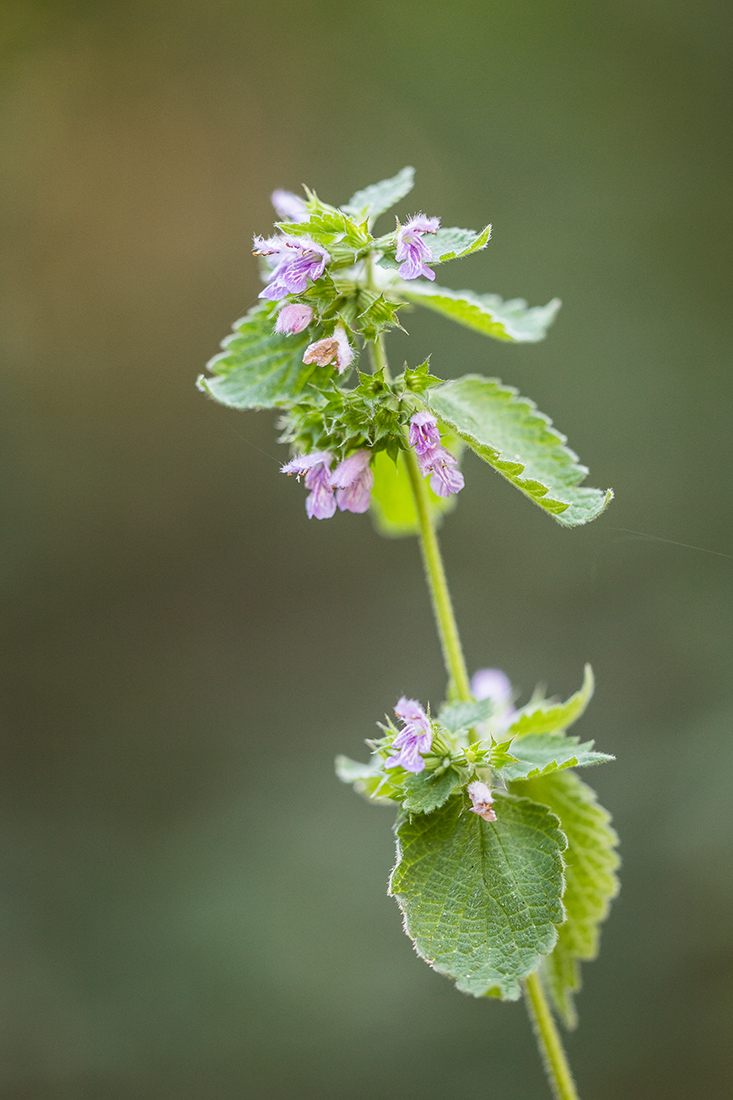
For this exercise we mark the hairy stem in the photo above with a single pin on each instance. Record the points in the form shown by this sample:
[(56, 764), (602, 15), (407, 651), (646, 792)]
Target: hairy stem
[(548, 1038), (379, 357), (549, 1042), (435, 574)]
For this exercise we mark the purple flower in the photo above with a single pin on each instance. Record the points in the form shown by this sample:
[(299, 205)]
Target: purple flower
[(432, 458), (492, 683), (334, 349), (442, 466), (482, 800), (416, 736), (288, 205), (353, 479), (412, 249), (424, 434), (316, 468), (293, 318), (298, 260)]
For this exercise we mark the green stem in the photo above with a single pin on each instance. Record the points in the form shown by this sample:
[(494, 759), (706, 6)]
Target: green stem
[(548, 1040), (379, 357), (435, 574)]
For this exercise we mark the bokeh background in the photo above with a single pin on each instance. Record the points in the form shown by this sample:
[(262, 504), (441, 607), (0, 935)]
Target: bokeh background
[(192, 906)]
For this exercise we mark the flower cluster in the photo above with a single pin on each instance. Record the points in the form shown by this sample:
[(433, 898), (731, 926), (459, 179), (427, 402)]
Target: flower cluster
[(432, 458), (349, 486)]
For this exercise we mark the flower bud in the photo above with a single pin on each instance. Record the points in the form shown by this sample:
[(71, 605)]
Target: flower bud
[(293, 318)]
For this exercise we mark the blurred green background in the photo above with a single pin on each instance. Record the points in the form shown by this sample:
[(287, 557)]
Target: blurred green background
[(192, 906)]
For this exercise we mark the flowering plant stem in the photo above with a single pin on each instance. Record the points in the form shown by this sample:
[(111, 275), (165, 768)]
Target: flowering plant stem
[(495, 887), (548, 1038), (445, 619)]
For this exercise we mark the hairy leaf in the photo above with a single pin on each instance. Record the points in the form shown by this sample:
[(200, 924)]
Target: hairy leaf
[(590, 866), (328, 227), (508, 432), (542, 753), (461, 716), (392, 508), (260, 369), (485, 313), (546, 717), (454, 244), (379, 197), (367, 779), (427, 791), (481, 900)]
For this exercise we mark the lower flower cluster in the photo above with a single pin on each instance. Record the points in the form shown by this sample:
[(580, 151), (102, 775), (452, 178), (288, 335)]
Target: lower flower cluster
[(349, 486), (424, 761)]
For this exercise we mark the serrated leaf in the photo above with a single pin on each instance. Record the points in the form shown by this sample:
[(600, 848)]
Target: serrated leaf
[(327, 226), (486, 313), (542, 753), (481, 899), (428, 791), (591, 882), (259, 368), (546, 717), (508, 432), (462, 716), (379, 197), (392, 508), (454, 244)]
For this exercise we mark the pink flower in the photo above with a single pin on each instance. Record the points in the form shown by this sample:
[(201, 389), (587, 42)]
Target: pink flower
[(288, 205), (316, 468), (293, 318), (353, 480), (482, 800), (298, 260), (424, 434), (492, 683), (334, 349), (432, 458), (412, 249), (415, 737), (442, 466)]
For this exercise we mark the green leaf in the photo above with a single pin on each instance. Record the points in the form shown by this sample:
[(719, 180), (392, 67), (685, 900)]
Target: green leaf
[(462, 716), (427, 791), (379, 197), (260, 369), (591, 882), (542, 753), (367, 779), (485, 313), (546, 717), (454, 244), (328, 226), (480, 899), (508, 432), (392, 508)]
